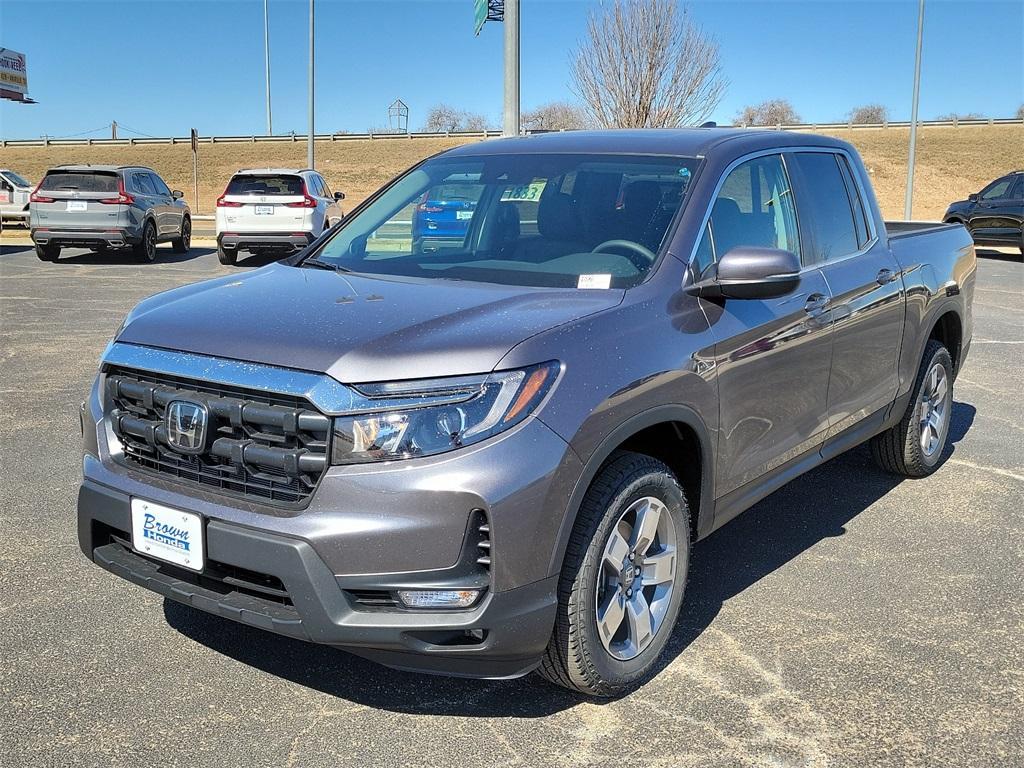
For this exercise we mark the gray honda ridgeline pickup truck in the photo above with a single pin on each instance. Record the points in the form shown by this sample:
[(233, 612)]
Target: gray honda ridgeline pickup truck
[(488, 447)]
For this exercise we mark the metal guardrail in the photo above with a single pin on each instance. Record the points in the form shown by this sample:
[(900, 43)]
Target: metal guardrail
[(335, 137)]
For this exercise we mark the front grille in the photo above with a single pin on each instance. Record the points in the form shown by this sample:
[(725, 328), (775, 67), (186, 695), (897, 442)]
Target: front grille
[(261, 446)]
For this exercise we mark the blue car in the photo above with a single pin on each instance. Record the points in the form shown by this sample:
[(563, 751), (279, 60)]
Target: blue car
[(444, 213)]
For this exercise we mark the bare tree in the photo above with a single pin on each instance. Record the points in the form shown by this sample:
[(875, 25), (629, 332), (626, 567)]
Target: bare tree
[(869, 113), (771, 112), (960, 116), (646, 64), (556, 116), (1020, 112), (443, 118)]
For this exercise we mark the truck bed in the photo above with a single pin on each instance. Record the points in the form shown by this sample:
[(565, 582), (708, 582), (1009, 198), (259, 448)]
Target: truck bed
[(897, 229)]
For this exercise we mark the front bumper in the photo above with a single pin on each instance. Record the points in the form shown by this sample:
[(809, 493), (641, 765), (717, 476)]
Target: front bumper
[(83, 238), (504, 635), (284, 241)]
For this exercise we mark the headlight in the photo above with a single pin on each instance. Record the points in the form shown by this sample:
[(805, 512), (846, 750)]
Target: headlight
[(401, 420)]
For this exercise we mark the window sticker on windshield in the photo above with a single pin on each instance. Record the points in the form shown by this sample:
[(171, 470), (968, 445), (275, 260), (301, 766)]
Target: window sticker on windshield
[(524, 192), (594, 281)]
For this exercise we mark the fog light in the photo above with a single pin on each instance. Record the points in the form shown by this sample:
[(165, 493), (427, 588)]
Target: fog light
[(438, 598)]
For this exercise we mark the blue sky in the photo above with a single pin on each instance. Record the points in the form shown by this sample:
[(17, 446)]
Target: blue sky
[(161, 67)]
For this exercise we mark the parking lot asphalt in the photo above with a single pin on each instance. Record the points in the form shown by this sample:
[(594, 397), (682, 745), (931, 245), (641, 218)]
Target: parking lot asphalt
[(850, 619)]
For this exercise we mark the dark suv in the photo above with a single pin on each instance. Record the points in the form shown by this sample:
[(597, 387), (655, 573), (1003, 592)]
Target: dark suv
[(994, 216)]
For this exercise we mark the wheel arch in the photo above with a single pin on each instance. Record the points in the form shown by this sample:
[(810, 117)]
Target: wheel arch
[(684, 436), (947, 328)]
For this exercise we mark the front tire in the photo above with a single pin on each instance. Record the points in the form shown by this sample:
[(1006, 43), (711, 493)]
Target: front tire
[(145, 250), (914, 447), (623, 579), (183, 243), (48, 252)]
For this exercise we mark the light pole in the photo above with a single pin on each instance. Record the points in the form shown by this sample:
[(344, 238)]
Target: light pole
[(908, 201), (266, 52), (511, 21), (309, 138)]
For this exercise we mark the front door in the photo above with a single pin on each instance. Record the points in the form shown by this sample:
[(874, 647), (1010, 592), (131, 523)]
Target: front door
[(867, 309), (992, 217), (772, 356)]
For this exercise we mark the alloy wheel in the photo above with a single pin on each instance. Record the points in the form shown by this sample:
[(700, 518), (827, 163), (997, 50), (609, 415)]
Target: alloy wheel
[(636, 578)]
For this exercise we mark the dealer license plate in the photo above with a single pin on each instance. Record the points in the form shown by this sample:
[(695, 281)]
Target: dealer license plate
[(78, 205), (168, 534), (264, 210)]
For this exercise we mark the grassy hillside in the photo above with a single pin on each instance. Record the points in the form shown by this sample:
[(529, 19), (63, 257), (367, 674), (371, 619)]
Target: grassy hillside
[(952, 162)]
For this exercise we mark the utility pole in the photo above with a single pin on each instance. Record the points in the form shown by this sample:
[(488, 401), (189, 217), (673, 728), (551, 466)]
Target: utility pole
[(113, 129), (266, 54), (511, 21), (908, 201), (309, 138)]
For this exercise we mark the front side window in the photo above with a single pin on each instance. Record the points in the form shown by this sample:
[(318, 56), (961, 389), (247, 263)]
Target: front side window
[(754, 207), (158, 185), (997, 190), (823, 196), (17, 180), (572, 220)]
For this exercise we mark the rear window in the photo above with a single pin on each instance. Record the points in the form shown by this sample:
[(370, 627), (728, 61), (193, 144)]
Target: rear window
[(79, 181), (264, 185)]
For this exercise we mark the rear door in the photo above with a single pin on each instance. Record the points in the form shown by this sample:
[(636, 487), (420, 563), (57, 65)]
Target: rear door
[(773, 355), (147, 202), (867, 308), (265, 203), (77, 200)]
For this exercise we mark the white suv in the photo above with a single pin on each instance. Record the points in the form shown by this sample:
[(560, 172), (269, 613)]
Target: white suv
[(265, 209)]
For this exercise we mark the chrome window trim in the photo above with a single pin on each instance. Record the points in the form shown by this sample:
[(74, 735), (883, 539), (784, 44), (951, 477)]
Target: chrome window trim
[(781, 151)]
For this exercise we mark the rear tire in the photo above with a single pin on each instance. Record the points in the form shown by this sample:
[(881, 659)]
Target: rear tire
[(145, 250), (48, 252), (623, 579), (183, 243), (914, 447), (227, 257)]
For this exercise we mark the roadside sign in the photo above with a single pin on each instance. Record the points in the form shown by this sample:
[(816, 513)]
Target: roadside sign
[(195, 141), (487, 10), (13, 75)]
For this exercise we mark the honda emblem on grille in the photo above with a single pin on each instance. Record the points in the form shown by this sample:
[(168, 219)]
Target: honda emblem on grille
[(186, 426)]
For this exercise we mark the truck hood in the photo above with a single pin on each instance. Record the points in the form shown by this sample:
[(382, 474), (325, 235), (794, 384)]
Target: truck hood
[(355, 328)]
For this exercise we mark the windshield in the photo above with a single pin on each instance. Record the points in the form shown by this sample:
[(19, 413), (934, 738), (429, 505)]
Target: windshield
[(588, 221), (16, 179)]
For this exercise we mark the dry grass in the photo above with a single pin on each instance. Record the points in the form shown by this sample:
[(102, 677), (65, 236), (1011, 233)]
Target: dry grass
[(952, 162)]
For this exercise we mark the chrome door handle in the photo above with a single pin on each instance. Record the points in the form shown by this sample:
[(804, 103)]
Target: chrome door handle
[(816, 304), (885, 276)]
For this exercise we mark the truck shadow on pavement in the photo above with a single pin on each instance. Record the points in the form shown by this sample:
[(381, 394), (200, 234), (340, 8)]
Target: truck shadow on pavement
[(738, 555)]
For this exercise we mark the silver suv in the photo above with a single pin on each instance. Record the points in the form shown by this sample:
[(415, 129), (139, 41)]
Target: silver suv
[(107, 206)]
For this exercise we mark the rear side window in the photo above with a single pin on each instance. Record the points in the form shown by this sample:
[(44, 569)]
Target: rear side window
[(859, 211), (79, 181), (1018, 189), (142, 184), (271, 184), (825, 207)]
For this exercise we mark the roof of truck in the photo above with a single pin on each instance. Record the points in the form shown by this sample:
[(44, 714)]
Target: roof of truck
[(689, 142)]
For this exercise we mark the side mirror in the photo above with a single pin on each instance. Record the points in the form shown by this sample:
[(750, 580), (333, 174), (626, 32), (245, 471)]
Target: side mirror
[(748, 272), (177, 194), (973, 198), (339, 195)]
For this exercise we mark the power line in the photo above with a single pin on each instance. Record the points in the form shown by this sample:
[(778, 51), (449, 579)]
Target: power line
[(132, 130), (83, 133)]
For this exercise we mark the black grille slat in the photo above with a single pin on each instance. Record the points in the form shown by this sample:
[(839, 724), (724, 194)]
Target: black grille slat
[(262, 445)]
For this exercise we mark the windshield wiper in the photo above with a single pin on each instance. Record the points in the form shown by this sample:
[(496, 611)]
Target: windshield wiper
[(319, 264)]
